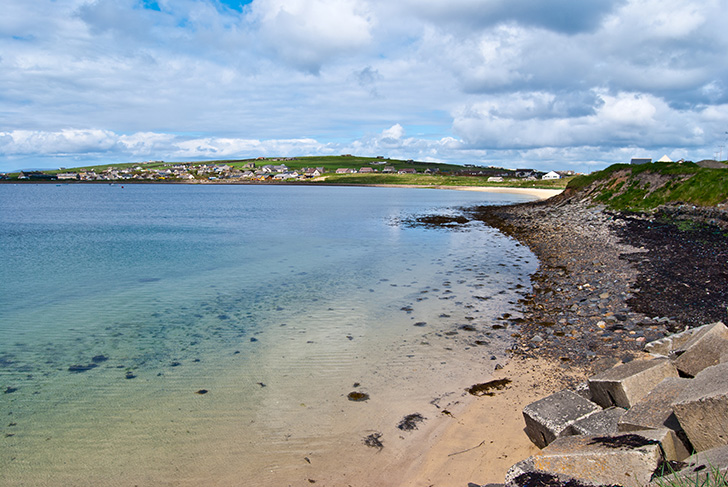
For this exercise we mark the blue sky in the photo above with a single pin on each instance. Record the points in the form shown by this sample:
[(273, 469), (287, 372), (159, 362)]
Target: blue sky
[(559, 84)]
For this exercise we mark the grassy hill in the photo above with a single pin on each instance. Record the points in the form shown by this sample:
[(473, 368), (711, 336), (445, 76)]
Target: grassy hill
[(427, 173), (647, 186)]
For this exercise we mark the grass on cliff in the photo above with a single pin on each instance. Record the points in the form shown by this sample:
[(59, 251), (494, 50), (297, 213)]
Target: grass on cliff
[(644, 187)]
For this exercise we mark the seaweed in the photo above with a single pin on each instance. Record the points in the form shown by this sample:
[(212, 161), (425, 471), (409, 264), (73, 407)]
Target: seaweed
[(542, 479), (202, 392), (623, 441), (410, 422), (357, 396), (488, 388), (374, 441)]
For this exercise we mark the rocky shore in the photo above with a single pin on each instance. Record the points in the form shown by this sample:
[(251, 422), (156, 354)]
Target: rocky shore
[(610, 282)]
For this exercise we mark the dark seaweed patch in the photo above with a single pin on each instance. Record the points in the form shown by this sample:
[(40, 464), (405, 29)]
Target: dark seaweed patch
[(374, 441), (541, 479), (488, 388), (357, 396), (410, 422), (623, 441), (10, 390), (436, 221), (99, 359), (202, 392)]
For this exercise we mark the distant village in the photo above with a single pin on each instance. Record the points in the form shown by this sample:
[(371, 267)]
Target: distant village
[(262, 169)]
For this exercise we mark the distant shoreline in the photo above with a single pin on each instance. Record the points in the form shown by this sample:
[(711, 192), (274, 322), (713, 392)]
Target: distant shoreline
[(540, 193)]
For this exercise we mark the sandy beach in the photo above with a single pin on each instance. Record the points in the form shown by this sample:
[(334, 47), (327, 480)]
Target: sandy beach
[(604, 288)]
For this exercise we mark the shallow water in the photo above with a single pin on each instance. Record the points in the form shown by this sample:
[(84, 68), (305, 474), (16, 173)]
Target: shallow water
[(120, 305)]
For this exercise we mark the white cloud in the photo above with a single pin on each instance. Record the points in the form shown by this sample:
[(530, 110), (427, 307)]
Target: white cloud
[(307, 33), (462, 81)]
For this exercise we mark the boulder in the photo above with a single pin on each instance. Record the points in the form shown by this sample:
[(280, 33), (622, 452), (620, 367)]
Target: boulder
[(628, 459), (551, 417), (626, 384), (654, 411), (702, 408), (703, 350)]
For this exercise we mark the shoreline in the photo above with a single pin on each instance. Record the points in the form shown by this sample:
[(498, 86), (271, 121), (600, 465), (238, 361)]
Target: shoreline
[(605, 287), (540, 193)]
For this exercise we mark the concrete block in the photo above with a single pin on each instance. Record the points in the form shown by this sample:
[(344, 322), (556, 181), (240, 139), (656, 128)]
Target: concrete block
[(665, 346), (702, 408), (703, 350), (551, 417), (599, 424), (711, 463), (654, 411), (626, 384), (628, 459), (523, 474), (583, 389)]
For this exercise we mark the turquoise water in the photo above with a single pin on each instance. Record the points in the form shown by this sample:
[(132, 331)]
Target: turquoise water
[(120, 304)]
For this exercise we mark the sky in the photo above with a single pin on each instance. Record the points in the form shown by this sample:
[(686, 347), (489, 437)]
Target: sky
[(545, 84)]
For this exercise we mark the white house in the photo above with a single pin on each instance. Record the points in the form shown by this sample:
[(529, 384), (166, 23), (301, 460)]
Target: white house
[(664, 159), (551, 175)]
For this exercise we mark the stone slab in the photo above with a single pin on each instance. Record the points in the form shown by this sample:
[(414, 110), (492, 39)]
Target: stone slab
[(654, 411), (628, 459), (550, 417), (626, 384), (600, 423), (702, 408), (711, 463), (703, 350)]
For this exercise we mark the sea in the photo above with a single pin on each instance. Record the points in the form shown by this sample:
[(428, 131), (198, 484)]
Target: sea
[(165, 334)]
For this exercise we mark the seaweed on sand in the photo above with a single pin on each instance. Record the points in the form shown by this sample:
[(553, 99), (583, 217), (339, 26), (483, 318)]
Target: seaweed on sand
[(410, 422), (374, 441), (358, 396), (488, 388)]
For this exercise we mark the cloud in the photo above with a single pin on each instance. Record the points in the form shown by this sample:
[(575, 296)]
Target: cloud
[(307, 33), (511, 82), (566, 16)]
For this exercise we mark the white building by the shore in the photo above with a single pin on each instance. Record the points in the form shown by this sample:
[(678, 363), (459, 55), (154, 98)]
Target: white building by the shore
[(551, 175)]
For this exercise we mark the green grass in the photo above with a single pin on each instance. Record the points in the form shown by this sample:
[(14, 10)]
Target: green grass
[(712, 478), (646, 186), (438, 180)]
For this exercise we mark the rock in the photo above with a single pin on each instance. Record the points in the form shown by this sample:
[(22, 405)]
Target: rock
[(702, 408), (628, 459), (703, 350), (551, 417), (654, 411), (626, 384)]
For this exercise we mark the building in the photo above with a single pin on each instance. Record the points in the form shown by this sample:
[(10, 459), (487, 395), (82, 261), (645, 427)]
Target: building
[(551, 175), (640, 160)]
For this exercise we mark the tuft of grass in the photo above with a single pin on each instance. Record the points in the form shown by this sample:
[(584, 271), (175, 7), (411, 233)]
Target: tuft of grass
[(707, 476)]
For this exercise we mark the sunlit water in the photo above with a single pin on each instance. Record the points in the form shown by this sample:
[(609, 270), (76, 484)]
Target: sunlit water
[(210, 335)]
